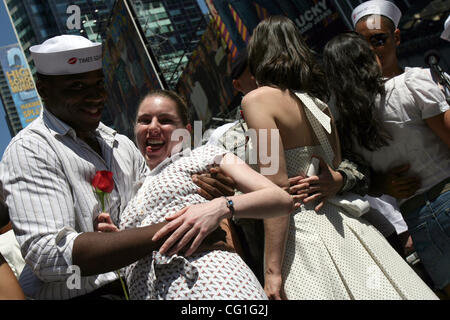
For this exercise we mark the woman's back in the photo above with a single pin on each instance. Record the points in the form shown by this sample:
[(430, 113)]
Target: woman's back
[(290, 117)]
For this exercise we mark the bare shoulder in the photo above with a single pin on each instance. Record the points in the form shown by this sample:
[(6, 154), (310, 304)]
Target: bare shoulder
[(262, 93), (263, 96)]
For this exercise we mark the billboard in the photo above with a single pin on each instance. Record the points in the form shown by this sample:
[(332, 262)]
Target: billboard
[(205, 82), (317, 20), (20, 83), (127, 64)]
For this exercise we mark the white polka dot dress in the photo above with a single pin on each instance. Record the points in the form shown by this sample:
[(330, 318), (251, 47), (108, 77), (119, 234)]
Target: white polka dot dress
[(334, 256), (212, 275)]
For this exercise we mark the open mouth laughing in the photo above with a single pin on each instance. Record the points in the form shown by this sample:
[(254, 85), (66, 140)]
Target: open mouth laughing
[(154, 145)]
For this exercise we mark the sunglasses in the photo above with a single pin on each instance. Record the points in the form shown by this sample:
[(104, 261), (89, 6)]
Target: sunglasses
[(378, 40)]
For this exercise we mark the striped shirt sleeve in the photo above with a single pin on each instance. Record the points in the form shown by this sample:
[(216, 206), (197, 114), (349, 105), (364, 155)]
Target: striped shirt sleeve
[(41, 207)]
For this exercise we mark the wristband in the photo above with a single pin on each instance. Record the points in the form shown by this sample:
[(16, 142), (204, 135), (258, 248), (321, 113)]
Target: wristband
[(344, 181), (230, 206)]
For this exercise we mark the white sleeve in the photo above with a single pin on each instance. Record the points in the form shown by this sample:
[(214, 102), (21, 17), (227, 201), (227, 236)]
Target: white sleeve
[(218, 133), (428, 96), (40, 206), (212, 155)]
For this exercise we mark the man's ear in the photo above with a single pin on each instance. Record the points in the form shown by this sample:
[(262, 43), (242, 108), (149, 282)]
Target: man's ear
[(189, 127), (397, 37), (42, 89), (237, 85)]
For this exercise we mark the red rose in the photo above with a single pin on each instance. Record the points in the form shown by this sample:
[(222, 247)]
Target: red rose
[(103, 184), (103, 181)]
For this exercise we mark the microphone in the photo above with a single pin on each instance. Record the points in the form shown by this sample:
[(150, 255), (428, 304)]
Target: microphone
[(432, 58)]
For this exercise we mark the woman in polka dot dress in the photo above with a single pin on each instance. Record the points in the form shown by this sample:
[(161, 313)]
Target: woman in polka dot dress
[(214, 271), (329, 254)]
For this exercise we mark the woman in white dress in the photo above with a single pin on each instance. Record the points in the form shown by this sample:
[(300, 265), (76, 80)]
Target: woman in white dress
[(212, 271), (328, 254)]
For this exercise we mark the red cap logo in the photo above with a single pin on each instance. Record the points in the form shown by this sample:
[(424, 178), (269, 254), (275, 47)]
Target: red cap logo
[(72, 60)]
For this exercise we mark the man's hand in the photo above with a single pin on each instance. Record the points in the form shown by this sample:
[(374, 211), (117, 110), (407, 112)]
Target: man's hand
[(396, 184), (214, 184), (407, 243), (104, 223), (317, 188)]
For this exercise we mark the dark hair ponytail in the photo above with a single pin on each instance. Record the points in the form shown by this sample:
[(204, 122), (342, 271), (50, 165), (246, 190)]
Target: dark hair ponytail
[(355, 79), (278, 56)]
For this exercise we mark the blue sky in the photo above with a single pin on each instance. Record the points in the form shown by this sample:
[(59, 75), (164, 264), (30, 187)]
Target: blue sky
[(7, 36)]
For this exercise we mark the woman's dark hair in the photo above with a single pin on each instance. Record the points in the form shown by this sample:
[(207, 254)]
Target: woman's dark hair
[(182, 108), (355, 79), (278, 56)]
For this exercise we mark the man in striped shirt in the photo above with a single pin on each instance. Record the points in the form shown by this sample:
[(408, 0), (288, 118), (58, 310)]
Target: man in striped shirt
[(47, 170)]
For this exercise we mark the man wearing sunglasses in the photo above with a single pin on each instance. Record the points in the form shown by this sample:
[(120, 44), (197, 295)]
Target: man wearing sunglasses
[(417, 116), (378, 22)]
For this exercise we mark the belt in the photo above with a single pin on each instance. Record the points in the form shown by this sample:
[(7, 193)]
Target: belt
[(420, 200)]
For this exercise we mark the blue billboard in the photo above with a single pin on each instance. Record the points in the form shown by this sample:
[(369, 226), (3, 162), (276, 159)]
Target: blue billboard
[(20, 82)]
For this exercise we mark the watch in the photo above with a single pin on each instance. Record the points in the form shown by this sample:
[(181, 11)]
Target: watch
[(230, 206)]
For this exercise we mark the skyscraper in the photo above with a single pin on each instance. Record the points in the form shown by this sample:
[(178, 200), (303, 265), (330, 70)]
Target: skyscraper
[(35, 21), (173, 29)]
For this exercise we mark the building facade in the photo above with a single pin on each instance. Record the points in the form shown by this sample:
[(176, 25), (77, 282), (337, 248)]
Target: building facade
[(37, 20), (11, 115), (173, 29)]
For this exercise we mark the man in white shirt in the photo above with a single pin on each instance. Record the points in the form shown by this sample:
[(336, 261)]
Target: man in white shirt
[(412, 100), (47, 172)]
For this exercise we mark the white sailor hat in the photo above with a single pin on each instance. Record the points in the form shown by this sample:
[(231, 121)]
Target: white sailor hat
[(378, 7), (67, 54), (446, 34)]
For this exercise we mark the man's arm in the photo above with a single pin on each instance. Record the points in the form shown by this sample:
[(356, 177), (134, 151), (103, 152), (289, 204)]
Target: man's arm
[(440, 125), (101, 252)]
